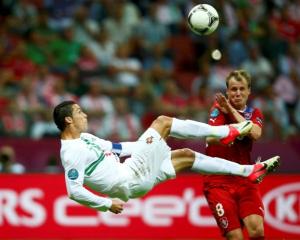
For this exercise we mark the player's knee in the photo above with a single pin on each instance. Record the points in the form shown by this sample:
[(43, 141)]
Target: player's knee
[(163, 121), (188, 152), (256, 231), (162, 125)]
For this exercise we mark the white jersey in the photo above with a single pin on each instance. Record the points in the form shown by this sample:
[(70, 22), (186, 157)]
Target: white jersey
[(91, 161)]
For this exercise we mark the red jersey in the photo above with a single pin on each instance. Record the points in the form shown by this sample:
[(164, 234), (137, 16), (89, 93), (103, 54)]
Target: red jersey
[(240, 151)]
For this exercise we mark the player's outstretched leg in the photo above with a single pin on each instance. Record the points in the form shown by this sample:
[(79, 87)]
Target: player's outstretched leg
[(185, 158), (178, 128), (194, 129), (188, 159)]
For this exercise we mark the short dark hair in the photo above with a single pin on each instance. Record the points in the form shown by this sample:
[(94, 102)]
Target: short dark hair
[(239, 75), (61, 111)]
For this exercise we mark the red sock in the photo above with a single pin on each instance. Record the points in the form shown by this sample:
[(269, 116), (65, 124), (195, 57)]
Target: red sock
[(257, 238)]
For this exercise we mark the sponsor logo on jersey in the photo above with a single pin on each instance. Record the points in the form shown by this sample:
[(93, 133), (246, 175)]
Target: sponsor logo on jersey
[(262, 210), (212, 120), (214, 113), (259, 120), (73, 174)]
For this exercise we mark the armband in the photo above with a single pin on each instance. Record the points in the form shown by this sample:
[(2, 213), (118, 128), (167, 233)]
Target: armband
[(117, 148)]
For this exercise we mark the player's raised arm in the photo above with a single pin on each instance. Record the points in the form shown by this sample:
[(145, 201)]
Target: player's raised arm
[(236, 116), (122, 149)]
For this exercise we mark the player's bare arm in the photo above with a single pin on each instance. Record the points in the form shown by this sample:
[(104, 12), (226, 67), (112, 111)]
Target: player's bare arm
[(227, 108)]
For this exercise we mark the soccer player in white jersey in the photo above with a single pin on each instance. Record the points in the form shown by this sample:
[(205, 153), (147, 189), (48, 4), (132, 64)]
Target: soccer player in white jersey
[(94, 162)]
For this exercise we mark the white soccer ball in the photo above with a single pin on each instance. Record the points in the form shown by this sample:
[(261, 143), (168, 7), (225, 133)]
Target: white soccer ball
[(203, 19)]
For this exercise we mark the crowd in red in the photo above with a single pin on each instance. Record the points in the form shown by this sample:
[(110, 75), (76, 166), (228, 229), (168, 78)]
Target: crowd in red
[(126, 62)]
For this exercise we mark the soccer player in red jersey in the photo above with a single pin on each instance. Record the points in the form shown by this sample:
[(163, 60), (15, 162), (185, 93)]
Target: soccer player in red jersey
[(234, 201)]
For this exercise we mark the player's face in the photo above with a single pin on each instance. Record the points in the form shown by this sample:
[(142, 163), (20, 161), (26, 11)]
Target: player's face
[(79, 118), (238, 93)]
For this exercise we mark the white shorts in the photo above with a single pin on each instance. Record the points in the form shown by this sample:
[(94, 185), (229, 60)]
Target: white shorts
[(149, 164)]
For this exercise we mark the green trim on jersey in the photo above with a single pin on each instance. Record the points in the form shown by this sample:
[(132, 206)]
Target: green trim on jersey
[(90, 169)]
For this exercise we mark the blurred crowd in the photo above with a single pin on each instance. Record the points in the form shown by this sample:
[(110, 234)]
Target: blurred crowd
[(128, 61)]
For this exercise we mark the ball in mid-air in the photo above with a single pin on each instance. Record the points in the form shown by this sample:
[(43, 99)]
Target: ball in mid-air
[(203, 19)]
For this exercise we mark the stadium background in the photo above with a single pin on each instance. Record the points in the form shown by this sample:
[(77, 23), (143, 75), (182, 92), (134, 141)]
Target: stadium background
[(126, 62)]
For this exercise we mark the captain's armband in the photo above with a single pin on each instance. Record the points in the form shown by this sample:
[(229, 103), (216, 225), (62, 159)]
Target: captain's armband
[(117, 148)]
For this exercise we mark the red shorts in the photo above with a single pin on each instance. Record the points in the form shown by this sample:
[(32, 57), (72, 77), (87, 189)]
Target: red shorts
[(232, 203)]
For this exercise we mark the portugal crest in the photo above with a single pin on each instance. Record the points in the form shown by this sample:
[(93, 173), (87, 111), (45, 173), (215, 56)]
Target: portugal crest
[(149, 140)]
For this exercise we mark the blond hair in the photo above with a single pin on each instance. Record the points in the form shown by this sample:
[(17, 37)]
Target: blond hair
[(239, 75)]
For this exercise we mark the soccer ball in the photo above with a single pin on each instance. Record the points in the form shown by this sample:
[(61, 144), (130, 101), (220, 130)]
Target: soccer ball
[(203, 19)]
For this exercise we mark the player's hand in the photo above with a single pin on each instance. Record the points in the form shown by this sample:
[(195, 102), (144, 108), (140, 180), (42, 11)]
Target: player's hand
[(223, 102), (117, 206)]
